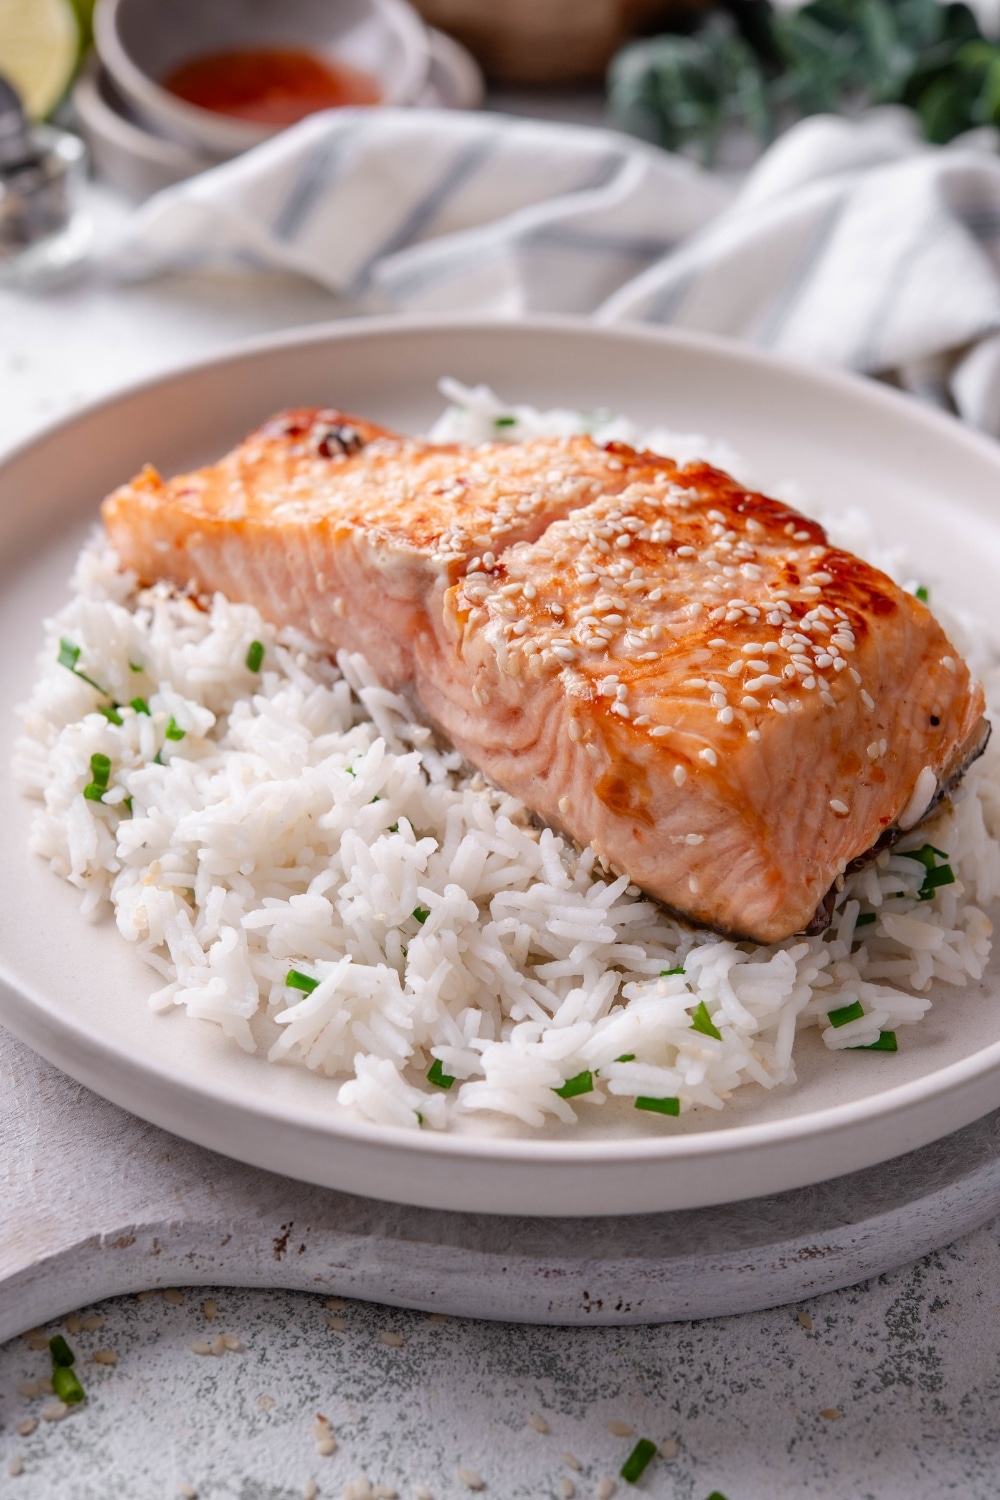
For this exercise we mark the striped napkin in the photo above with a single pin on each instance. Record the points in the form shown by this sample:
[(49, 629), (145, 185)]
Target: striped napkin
[(851, 243)]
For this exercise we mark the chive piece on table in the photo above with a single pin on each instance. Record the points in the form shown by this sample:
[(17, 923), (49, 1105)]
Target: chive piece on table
[(66, 1386), (582, 1083), (173, 730), (134, 666), (437, 1075), (716, 1495), (504, 421), (638, 1461), (886, 1043), (61, 1353), (626, 1057), (296, 980), (923, 594), (421, 914), (666, 973), (659, 1106), (702, 1021), (866, 918), (140, 705), (255, 655), (846, 1013)]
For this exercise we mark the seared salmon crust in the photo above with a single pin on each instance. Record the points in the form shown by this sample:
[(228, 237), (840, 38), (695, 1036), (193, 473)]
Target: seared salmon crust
[(682, 673)]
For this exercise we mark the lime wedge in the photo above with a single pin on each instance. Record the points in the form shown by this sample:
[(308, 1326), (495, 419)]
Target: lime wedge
[(39, 46)]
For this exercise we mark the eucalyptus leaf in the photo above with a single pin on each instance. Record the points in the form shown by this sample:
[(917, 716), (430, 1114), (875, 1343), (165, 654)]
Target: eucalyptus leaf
[(827, 56)]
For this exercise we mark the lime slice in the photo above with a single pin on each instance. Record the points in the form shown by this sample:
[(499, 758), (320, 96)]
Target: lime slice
[(39, 46)]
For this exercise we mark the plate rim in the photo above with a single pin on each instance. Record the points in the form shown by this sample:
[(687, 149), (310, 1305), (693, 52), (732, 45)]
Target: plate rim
[(41, 1025)]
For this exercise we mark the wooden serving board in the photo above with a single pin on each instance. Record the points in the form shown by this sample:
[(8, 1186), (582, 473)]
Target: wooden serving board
[(97, 1202)]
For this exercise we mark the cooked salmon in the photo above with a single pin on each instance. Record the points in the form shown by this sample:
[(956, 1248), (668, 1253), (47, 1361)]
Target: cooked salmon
[(677, 671)]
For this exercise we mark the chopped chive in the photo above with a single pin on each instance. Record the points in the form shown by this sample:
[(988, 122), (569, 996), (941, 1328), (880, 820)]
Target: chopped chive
[(941, 875), (255, 656), (69, 654), (583, 1083), (923, 594), (350, 770), (134, 666), (702, 1021), (68, 657), (886, 1043), (393, 827), (158, 757), (93, 792), (666, 973), (62, 1354), (66, 1386), (110, 712), (437, 1075), (296, 980), (140, 705), (716, 1495), (866, 918), (626, 1057), (420, 1118), (421, 914), (173, 730), (846, 1013), (100, 770), (128, 803), (638, 1461), (925, 854), (504, 421), (659, 1106)]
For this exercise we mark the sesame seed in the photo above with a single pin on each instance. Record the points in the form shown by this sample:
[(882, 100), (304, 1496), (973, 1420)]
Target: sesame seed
[(867, 700), (779, 706), (800, 536), (708, 755), (725, 715), (753, 734), (839, 807), (680, 774), (749, 702), (828, 698)]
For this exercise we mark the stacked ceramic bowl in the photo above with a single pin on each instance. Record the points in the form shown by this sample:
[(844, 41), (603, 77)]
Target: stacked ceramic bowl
[(175, 88)]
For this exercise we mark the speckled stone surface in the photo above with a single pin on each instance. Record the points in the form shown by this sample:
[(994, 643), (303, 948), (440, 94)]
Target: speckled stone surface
[(908, 1362)]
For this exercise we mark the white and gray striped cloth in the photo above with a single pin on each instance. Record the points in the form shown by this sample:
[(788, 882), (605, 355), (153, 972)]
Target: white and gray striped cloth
[(851, 243)]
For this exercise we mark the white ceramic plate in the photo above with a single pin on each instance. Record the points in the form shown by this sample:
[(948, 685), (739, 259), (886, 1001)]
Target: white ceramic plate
[(76, 993)]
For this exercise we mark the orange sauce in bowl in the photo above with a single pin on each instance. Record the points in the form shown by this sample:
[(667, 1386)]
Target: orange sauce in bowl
[(269, 85)]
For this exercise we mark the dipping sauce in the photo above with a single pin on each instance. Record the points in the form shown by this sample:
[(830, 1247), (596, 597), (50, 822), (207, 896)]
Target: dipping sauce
[(269, 85)]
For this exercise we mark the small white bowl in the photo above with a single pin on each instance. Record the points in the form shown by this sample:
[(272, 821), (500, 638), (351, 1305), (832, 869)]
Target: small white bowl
[(141, 41), (134, 160)]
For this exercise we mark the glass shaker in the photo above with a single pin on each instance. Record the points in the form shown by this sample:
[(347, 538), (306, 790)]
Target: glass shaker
[(43, 233)]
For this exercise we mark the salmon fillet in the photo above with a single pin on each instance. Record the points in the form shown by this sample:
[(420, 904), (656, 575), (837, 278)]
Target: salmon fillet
[(684, 674)]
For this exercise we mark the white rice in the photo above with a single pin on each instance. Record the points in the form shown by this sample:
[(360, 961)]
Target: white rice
[(304, 819)]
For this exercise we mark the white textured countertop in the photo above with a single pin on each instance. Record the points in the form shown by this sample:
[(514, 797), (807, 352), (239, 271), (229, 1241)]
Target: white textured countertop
[(888, 1390)]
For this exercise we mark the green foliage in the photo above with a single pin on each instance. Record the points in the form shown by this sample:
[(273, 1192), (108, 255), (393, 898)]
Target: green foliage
[(827, 56)]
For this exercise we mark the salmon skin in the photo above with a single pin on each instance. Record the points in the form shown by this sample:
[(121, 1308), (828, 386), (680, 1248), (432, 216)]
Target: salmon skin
[(675, 670)]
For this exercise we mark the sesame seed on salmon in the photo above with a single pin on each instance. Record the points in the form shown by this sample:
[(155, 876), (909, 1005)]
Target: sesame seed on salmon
[(680, 672)]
